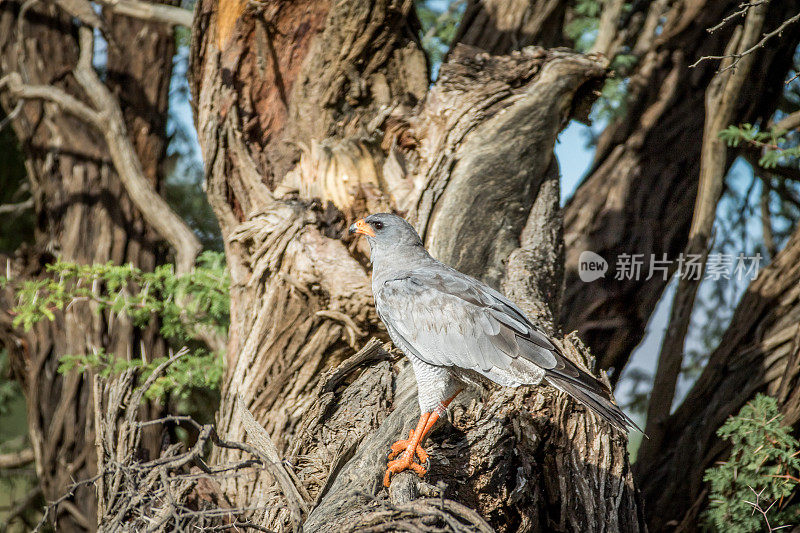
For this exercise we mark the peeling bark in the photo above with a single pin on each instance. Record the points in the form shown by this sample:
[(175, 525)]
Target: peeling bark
[(359, 131), (83, 215)]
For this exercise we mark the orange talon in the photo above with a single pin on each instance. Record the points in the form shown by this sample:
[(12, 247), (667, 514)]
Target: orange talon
[(412, 446), (402, 445)]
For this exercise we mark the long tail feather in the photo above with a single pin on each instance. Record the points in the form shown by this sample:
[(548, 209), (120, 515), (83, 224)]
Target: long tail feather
[(590, 392)]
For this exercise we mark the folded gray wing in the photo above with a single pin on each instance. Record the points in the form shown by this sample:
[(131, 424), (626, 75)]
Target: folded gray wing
[(448, 319)]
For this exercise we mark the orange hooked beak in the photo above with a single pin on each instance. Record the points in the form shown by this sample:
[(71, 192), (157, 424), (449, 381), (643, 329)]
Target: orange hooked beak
[(361, 227)]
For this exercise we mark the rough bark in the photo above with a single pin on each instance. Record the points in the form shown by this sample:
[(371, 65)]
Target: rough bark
[(500, 26), (638, 197), (722, 95), (758, 353), (83, 215), (303, 131)]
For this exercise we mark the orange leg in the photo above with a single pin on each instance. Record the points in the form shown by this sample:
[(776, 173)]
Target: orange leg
[(411, 446)]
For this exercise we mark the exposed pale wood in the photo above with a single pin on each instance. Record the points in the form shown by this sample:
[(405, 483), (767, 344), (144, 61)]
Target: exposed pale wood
[(357, 127), (16, 459), (84, 214), (166, 14)]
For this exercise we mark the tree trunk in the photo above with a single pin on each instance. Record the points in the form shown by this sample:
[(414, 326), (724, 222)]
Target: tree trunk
[(639, 195), (312, 116), (83, 215), (500, 26), (758, 353)]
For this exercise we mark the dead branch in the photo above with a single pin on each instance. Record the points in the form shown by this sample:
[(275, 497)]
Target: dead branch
[(107, 118), (173, 16), (269, 455), (16, 459), (736, 57), (16, 208), (789, 122), (165, 493)]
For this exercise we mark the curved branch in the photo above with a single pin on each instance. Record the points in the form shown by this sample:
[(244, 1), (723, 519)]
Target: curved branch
[(173, 16), (16, 459), (154, 209), (109, 122)]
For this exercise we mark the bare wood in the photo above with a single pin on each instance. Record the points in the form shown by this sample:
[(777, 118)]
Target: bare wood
[(263, 443), (166, 14), (607, 32), (721, 98), (154, 209), (83, 211), (16, 459), (282, 350), (108, 120), (16, 208), (789, 123), (739, 55)]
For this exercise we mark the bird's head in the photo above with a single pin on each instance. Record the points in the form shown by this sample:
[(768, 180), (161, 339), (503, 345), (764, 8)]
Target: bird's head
[(385, 230)]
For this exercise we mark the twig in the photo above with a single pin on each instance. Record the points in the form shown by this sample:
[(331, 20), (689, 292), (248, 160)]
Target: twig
[(174, 16), (66, 496), (16, 459), (764, 38), (15, 208), (743, 8)]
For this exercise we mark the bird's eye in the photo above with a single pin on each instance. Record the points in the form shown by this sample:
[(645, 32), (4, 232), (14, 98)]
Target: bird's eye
[(377, 225)]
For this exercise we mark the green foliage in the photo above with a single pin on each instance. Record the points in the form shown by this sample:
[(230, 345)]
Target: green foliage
[(185, 303), (186, 306), (772, 142), (760, 475), (198, 370), (583, 28)]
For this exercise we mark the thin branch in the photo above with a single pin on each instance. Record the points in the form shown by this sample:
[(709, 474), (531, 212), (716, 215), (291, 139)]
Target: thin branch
[(173, 16), (789, 122), (16, 208), (66, 102), (744, 7), (764, 38), (16, 459)]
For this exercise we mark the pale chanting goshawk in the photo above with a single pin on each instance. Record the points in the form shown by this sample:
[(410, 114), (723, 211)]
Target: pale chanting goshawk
[(456, 330)]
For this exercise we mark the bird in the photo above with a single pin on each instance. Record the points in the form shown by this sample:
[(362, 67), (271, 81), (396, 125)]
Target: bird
[(457, 331)]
